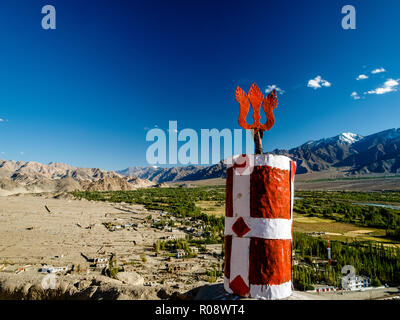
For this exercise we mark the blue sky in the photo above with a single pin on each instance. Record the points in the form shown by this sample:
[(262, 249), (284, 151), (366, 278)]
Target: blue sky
[(85, 93)]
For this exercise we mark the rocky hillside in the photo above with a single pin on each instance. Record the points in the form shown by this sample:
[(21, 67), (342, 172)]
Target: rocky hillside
[(314, 156), (19, 176), (376, 154), (116, 184)]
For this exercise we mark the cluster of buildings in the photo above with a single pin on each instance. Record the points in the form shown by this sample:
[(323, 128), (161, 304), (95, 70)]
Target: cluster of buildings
[(196, 228)]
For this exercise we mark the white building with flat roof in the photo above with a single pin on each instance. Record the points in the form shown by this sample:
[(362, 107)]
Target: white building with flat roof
[(355, 283)]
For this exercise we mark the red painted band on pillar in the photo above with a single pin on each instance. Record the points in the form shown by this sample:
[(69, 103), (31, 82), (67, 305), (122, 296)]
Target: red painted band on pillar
[(275, 267), (270, 193)]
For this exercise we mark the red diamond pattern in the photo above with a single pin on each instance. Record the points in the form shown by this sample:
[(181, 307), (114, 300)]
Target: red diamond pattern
[(240, 227), (239, 287)]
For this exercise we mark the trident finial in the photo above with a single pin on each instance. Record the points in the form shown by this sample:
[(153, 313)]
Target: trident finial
[(256, 98)]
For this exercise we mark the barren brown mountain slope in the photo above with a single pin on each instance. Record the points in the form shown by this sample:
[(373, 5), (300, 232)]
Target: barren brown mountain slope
[(23, 177)]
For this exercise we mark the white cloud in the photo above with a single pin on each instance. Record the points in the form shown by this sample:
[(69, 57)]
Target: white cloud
[(378, 70), (317, 82), (274, 87), (362, 77), (1, 120), (355, 95), (390, 85)]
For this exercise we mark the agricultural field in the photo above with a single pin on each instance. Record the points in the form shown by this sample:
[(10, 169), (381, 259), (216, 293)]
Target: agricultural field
[(330, 229), (377, 211)]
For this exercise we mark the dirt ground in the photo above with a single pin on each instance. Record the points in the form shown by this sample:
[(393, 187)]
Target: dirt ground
[(73, 234)]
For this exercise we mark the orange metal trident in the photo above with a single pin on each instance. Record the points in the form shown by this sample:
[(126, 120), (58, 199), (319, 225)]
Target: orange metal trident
[(256, 98)]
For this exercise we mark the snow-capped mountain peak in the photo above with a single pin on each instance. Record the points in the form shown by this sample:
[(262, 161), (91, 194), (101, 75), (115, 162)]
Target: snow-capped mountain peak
[(343, 138), (349, 137)]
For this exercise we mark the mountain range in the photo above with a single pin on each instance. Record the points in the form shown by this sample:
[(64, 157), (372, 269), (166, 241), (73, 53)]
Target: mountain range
[(349, 154), (346, 154)]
